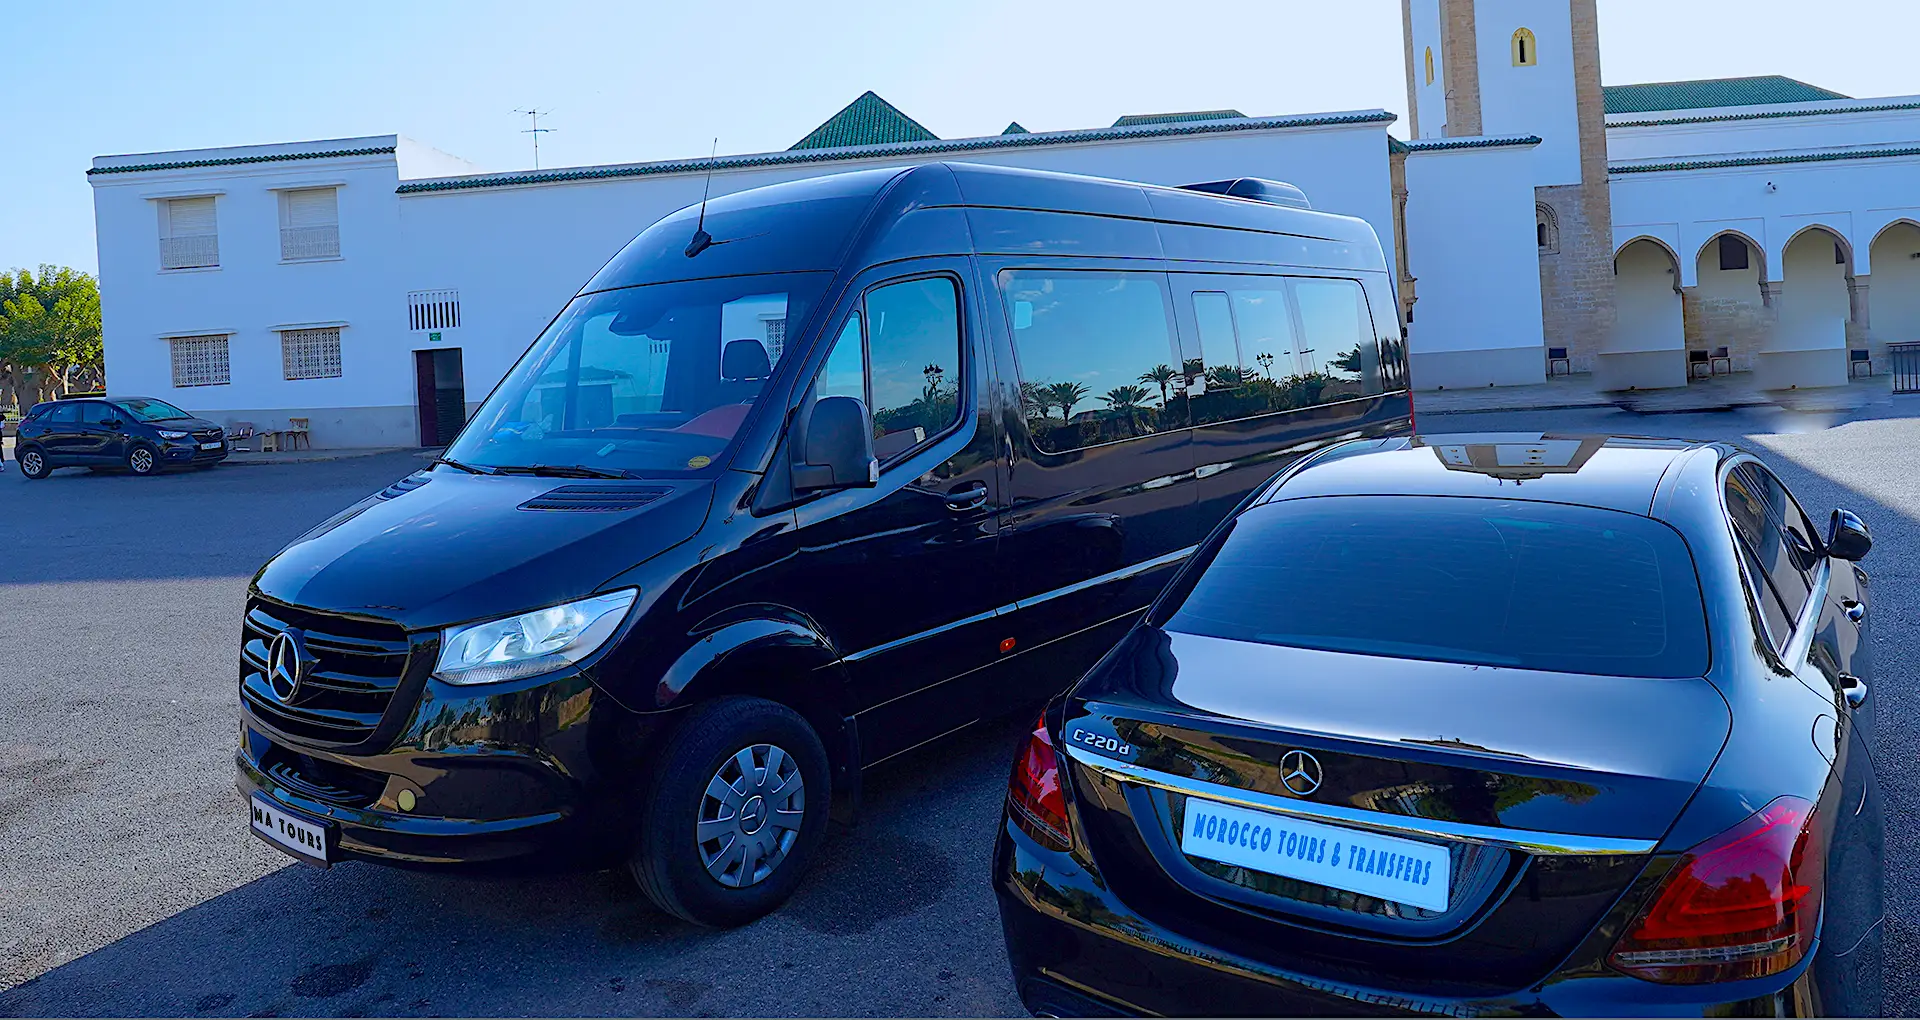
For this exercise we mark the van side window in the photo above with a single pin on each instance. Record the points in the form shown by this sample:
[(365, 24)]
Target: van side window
[(913, 388), (1095, 352), (1278, 344)]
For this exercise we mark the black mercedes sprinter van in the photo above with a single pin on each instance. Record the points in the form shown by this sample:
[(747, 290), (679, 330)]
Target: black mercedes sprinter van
[(797, 483)]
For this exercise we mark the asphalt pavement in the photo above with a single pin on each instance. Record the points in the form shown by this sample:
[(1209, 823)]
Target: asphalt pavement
[(132, 886)]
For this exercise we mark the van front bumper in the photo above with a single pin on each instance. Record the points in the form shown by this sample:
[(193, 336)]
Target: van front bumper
[(543, 773)]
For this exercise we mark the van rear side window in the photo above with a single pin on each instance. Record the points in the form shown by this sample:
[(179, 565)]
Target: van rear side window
[(1272, 344), (1096, 356)]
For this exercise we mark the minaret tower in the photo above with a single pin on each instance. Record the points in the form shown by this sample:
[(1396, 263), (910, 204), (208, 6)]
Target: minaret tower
[(1530, 67)]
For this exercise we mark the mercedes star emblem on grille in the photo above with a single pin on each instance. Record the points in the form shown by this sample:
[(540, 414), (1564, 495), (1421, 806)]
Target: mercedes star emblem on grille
[(1300, 772), (287, 664)]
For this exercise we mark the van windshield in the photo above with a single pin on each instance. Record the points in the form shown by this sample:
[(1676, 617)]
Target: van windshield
[(641, 381)]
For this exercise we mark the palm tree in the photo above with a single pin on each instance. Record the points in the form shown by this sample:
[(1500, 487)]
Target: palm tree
[(1067, 394), (1035, 397), (1161, 376), (1127, 398)]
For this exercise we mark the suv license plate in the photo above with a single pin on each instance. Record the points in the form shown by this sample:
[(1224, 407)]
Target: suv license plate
[(305, 840), (1388, 867), (215, 445)]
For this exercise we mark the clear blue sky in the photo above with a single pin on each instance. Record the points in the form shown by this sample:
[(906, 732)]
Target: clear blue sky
[(634, 81)]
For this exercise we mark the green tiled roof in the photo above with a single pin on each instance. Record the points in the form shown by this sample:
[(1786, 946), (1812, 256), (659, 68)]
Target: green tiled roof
[(1713, 93), (868, 120), (1137, 119), (1448, 144), (238, 160), (1815, 156), (1014, 128), (930, 149), (1824, 111)]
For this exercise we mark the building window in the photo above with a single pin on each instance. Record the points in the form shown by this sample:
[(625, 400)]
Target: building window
[(200, 361), (189, 238), (1525, 49), (309, 224), (1429, 65), (776, 338), (433, 309), (310, 353), (1839, 254), (1546, 228), (1733, 253)]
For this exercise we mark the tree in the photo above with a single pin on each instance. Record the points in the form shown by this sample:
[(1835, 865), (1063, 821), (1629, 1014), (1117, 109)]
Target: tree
[(1035, 399), (1067, 394), (49, 334), (1161, 376), (1127, 398)]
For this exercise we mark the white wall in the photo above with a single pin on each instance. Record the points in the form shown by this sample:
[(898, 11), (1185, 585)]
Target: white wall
[(1429, 99), (252, 290), (1771, 133), (517, 254), (1539, 100), (1856, 199), (1472, 249)]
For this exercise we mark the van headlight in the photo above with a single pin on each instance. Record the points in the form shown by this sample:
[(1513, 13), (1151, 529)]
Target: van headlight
[(531, 643)]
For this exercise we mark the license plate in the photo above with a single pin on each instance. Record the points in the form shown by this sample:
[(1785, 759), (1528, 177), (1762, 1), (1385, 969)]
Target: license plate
[(215, 445), (297, 836), (1385, 867)]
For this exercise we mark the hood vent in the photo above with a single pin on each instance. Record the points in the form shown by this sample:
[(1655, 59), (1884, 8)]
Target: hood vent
[(597, 498), (404, 485)]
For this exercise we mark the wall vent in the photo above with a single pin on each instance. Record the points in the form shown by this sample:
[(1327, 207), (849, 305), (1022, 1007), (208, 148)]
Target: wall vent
[(433, 309)]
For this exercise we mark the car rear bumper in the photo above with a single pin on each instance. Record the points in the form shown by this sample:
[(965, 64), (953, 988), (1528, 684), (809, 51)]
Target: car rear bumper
[(1076, 949)]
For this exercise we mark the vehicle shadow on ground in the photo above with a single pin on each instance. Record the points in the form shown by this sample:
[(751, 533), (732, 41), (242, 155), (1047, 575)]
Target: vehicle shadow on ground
[(365, 940), (77, 525)]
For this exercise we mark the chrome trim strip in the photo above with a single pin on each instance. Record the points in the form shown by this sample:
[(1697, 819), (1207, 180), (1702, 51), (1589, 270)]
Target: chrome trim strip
[(1528, 841), (1009, 609)]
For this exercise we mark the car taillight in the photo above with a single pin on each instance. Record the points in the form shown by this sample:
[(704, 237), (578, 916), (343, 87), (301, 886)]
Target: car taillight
[(1743, 904), (1035, 801)]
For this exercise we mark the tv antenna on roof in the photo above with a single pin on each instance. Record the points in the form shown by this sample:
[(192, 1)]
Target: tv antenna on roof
[(536, 131)]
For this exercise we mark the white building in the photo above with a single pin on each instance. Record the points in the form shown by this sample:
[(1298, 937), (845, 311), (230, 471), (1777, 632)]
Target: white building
[(379, 288)]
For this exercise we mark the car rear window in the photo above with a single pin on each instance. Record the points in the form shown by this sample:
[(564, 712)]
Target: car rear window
[(1485, 581)]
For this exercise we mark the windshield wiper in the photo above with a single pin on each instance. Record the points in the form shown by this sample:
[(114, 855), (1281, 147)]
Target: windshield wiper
[(468, 468), (559, 471)]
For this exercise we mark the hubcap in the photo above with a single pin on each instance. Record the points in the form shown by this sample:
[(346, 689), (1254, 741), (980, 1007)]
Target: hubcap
[(750, 815), (142, 461), (31, 465)]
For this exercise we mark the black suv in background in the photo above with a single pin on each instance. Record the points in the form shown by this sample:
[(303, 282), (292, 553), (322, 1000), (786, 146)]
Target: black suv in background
[(141, 434)]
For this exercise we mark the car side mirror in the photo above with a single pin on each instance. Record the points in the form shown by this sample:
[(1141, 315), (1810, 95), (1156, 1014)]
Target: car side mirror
[(835, 448), (1848, 537)]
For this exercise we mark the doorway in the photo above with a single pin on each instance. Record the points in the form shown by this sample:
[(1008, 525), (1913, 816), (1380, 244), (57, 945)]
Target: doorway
[(441, 391)]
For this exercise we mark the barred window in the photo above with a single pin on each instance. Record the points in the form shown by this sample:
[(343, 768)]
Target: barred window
[(200, 361), (776, 339), (310, 353), (309, 224), (433, 309)]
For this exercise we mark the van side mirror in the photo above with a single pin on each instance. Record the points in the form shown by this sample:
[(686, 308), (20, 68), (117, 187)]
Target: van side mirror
[(835, 448), (1848, 537)]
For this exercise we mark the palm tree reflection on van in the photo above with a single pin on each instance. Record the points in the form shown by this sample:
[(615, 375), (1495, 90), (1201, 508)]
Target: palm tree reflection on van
[(1161, 376)]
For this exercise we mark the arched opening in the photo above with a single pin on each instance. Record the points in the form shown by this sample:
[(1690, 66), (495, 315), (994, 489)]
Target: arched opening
[(1807, 344), (1895, 294), (1525, 51), (1728, 309), (1647, 348), (1429, 65), (1546, 229)]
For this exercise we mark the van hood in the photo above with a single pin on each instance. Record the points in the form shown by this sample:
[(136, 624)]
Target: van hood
[(442, 548)]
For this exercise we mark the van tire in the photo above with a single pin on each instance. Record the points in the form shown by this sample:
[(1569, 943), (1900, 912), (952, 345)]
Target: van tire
[(669, 862)]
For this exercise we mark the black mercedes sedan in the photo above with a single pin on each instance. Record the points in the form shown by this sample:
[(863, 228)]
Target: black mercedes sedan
[(1472, 724)]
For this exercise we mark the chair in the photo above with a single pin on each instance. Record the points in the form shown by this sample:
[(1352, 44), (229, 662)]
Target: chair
[(1698, 359), (1558, 356), (1859, 356), (1720, 357), (239, 432), (299, 433)]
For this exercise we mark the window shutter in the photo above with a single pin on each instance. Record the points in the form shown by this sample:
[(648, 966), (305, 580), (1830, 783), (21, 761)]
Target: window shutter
[(190, 217), (315, 207)]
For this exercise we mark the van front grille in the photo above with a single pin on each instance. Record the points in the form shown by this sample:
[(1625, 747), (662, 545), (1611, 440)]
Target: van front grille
[(355, 668)]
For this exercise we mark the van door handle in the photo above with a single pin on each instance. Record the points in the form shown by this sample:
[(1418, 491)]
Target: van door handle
[(1853, 689), (1856, 611), (967, 497)]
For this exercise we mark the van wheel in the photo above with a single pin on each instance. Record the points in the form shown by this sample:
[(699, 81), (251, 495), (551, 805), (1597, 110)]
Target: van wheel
[(734, 814), (33, 463)]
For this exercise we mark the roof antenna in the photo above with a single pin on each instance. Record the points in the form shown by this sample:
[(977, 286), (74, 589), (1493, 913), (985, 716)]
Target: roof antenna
[(701, 239)]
